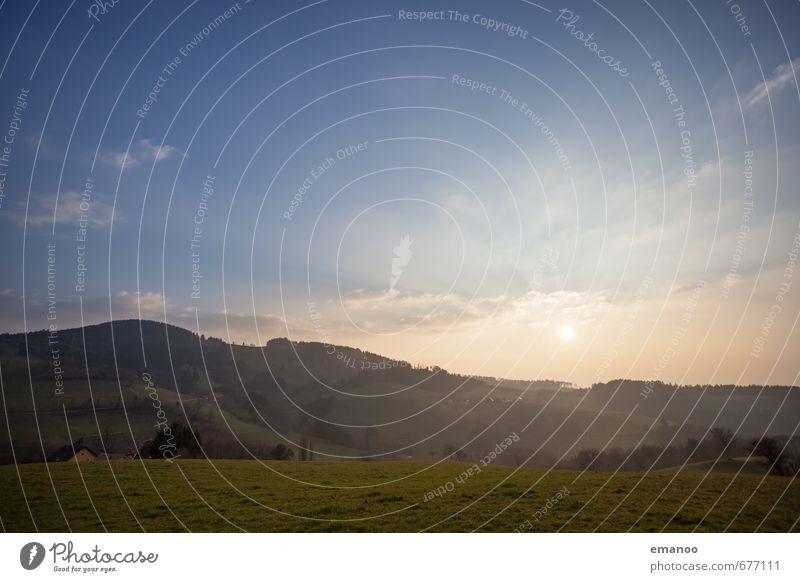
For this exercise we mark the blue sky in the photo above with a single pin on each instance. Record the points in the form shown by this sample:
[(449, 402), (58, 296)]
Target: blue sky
[(511, 242)]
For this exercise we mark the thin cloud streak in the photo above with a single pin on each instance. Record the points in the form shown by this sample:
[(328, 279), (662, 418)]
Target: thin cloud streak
[(781, 76)]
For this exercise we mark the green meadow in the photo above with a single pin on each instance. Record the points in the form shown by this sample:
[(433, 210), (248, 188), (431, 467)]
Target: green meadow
[(229, 495)]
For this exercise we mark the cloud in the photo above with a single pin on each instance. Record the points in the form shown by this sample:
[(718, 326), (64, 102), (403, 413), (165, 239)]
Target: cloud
[(143, 152), (150, 304), (237, 327), (70, 209), (392, 311), (122, 305), (380, 312), (781, 76)]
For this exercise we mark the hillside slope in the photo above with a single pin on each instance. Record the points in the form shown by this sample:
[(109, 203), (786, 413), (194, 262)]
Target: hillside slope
[(341, 401)]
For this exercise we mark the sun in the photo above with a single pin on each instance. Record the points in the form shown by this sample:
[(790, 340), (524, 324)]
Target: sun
[(566, 333)]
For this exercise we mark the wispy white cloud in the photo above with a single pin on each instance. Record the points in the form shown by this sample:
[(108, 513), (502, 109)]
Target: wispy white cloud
[(71, 207), (150, 304), (392, 311), (781, 76), (143, 152)]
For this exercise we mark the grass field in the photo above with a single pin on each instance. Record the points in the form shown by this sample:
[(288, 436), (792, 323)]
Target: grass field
[(195, 495), (750, 466)]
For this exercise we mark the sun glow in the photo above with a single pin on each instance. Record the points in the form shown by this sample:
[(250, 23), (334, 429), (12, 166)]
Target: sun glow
[(566, 333)]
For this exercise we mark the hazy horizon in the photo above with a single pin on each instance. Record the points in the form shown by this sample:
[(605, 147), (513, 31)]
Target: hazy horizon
[(329, 344)]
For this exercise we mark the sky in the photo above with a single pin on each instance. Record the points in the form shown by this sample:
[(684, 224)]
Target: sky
[(528, 190)]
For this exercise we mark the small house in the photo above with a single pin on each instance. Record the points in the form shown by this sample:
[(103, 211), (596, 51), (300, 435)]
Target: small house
[(72, 453), (112, 446)]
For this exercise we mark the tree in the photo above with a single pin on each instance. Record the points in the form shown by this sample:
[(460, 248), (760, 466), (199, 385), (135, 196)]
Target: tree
[(770, 449), (448, 451), (461, 455), (793, 455), (721, 439), (303, 450), (177, 439), (306, 448), (586, 458), (281, 452)]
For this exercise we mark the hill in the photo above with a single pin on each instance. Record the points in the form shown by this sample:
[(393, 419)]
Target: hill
[(124, 376)]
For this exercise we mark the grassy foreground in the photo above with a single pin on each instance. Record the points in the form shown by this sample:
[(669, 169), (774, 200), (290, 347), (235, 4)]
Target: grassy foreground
[(196, 495)]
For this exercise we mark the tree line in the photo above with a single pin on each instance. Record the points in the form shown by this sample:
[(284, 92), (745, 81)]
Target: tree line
[(780, 455)]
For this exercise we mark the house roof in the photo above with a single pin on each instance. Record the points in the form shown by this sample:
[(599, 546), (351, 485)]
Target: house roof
[(65, 453), (114, 445)]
